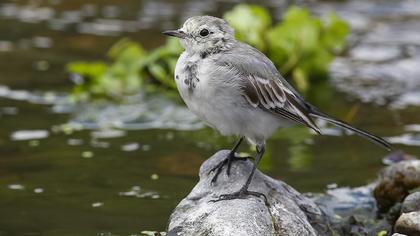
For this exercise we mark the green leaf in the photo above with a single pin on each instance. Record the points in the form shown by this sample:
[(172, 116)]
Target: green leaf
[(335, 34), (382, 233), (245, 17), (303, 46), (87, 69), (173, 45), (159, 73), (300, 79), (126, 51)]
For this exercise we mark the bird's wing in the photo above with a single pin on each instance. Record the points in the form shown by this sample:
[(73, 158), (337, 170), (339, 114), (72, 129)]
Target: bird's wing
[(271, 95), (263, 87)]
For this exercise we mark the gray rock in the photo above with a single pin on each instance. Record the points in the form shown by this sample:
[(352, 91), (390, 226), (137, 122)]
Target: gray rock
[(408, 223), (288, 212), (411, 203), (395, 182), (397, 234)]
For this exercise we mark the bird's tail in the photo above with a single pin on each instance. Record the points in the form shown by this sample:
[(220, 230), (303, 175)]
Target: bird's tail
[(373, 138)]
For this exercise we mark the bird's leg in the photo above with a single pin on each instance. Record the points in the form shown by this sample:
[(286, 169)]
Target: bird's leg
[(228, 160), (244, 192)]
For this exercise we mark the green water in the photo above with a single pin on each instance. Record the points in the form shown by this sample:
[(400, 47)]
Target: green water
[(49, 187)]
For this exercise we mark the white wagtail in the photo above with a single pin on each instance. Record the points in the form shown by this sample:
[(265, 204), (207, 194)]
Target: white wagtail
[(237, 90)]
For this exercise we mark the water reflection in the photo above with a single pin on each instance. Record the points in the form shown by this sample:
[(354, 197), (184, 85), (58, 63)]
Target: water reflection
[(134, 113), (381, 66)]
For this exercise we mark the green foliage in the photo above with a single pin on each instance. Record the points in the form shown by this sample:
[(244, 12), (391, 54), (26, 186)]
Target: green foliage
[(243, 18), (382, 233), (301, 46), (127, 73)]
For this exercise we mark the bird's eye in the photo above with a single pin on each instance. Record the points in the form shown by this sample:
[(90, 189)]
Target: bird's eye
[(204, 32)]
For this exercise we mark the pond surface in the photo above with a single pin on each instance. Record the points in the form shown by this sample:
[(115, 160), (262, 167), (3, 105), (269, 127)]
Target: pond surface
[(57, 179)]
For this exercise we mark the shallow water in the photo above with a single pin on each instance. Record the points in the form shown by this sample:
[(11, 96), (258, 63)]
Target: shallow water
[(56, 179)]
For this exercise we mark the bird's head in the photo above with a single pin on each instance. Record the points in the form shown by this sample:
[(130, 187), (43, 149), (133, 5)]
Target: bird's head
[(204, 35)]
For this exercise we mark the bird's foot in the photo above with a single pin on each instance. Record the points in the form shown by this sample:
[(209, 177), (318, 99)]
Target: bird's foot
[(227, 161), (241, 194)]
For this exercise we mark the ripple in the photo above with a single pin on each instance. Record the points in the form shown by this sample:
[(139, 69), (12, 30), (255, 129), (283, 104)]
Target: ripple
[(108, 133), (406, 139), (29, 134), (137, 192), (16, 187), (137, 113), (129, 147)]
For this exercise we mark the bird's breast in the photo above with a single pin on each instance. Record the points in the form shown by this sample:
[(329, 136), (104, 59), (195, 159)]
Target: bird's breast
[(191, 77)]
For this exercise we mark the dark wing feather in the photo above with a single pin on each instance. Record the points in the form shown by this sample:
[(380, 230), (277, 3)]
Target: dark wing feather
[(271, 95)]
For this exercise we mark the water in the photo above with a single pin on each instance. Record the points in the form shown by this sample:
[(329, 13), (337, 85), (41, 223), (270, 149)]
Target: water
[(95, 177)]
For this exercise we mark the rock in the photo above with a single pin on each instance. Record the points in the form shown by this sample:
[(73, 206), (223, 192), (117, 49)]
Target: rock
[(395, 182), (411, 203), (287, 212), (408, 223), (397, 234), (398, 156)]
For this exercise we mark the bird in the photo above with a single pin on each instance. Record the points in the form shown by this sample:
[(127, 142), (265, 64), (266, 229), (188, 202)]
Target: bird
[(237, 90)]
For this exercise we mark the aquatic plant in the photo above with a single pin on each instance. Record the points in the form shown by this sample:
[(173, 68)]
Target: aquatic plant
[(131, 69), (301, 46)]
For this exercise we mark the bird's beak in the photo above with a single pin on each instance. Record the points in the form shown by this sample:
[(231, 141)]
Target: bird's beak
[(175, 33)]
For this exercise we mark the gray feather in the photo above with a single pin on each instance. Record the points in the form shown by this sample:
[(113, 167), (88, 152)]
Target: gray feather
[(264, 86)]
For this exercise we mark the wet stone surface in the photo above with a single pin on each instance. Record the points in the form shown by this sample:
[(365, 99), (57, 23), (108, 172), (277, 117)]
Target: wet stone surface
[(340, 211), (288, 212), (408, 223), (411, 203)]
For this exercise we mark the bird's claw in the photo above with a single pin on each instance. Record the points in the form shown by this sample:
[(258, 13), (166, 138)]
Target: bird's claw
[(228, 160), (241, 194)]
